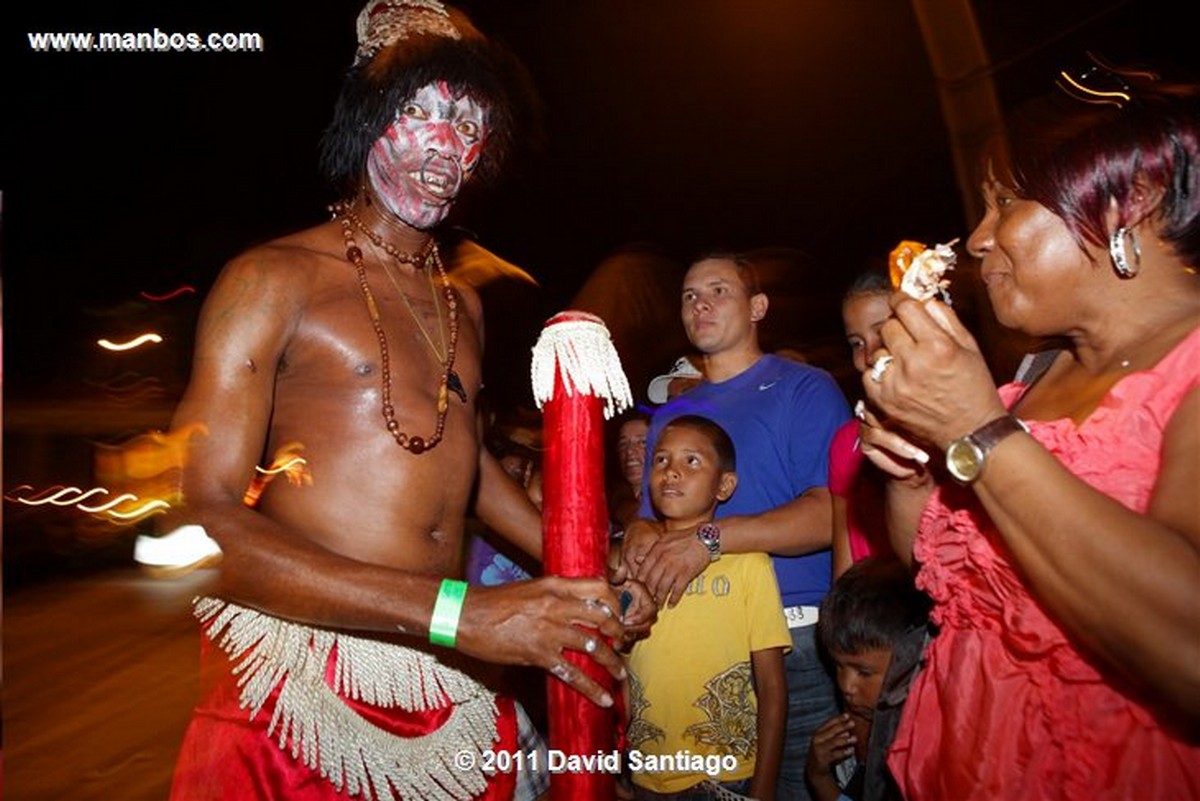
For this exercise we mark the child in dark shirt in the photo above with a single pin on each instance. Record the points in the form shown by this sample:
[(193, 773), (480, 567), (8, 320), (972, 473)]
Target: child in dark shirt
[(873, 628)]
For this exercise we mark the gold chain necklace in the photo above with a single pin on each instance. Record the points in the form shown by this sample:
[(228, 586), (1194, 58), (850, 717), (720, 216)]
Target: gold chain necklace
[(450, 381), (420, 260), (440, 355)]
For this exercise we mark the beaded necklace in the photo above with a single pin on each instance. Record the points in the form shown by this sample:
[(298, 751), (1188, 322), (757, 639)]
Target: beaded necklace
[(450, 381)]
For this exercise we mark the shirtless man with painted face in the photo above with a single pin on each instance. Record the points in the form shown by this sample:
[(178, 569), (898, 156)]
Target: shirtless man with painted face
[(347, 340)]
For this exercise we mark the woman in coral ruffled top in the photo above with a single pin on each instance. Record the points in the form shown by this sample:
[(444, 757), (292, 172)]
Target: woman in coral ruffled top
[(1059, 535)]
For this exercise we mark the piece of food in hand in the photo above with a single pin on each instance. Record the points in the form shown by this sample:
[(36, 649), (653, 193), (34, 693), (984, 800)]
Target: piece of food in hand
[(919, 271)]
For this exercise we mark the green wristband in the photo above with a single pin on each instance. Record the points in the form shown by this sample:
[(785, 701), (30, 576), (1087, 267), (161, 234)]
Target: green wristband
[(443, 627)]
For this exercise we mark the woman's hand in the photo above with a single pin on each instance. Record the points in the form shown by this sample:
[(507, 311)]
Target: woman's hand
[(910, 481), (936, 384), (898, 458)]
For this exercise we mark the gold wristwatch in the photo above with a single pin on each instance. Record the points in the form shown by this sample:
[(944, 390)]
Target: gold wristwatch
[(965, 456)]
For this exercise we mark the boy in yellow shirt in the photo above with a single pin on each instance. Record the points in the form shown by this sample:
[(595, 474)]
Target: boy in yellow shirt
[(707, 690)]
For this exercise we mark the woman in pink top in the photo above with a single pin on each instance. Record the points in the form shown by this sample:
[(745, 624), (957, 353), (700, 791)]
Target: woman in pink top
[(857, 488), (1062, 551)]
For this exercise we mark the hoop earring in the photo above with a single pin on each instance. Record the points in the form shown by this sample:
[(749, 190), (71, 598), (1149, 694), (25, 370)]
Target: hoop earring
[(1116, 251)]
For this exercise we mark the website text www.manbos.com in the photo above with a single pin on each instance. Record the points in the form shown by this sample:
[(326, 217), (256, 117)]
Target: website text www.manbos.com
[(156, 41)]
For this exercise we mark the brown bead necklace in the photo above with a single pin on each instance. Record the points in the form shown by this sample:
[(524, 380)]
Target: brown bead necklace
[(450, 381)]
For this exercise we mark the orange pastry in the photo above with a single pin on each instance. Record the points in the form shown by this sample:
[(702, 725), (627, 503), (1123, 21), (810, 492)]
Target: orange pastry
[(920, 271)]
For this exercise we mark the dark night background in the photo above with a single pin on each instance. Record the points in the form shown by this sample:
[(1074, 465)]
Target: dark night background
[(690, 124), (686, 124)]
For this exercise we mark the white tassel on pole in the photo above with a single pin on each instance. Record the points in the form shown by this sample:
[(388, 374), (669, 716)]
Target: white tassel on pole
[(578, 344)]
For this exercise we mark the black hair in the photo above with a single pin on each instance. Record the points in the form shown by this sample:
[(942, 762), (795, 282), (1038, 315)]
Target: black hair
[(874, 279), (374, 90), (872, 605), (719, 437)]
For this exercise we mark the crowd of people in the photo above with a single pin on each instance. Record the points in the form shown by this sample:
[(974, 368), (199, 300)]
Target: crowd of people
[(956, 591)]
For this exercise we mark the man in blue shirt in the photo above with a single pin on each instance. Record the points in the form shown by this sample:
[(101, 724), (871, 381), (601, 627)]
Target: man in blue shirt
[(782, 417)]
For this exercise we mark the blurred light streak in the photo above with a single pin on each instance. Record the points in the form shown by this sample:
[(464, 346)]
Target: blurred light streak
[(287, 461), (296, 462), (149, 467), (183, 290), (1095, 95), (125, 382), (131, 388), (75, 496), (104, 507), (476, 265), (54, 495), (142, 397), (145, 510), (133, 343), (176, 553), (146, 456)]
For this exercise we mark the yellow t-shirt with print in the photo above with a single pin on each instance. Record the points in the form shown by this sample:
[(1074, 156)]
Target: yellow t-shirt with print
[(691, 694)]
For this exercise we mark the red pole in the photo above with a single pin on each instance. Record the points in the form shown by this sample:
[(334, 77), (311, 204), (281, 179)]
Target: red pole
[(576, 358)]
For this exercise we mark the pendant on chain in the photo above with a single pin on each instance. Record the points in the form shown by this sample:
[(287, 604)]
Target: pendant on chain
[(455, 385)]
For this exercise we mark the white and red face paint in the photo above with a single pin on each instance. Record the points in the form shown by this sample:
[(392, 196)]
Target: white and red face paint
[(421, 162)]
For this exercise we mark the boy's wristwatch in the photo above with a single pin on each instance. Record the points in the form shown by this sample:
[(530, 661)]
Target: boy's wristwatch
[(965, 457), (709, 535)]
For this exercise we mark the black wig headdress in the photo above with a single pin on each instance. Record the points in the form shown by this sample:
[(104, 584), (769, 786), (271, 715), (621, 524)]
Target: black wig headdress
[(404, 45)]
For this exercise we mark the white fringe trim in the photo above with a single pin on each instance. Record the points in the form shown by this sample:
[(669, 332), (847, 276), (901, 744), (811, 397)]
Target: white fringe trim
[(582, 350), (355, 755)]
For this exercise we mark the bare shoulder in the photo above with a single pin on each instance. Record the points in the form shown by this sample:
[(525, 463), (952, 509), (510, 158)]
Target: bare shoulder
[(283, 264), (262, 291), (280, 270)]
